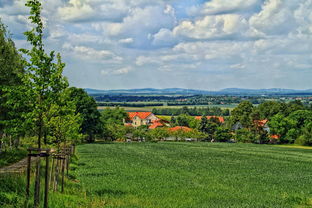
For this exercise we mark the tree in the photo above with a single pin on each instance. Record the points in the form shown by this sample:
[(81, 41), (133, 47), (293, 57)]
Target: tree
[(222, 134), (43, 81), (64, 125), (157, 134), (270, 108), (183, 120), (242, 114), (280, 125), (43, 78), (203, 124), (87, 108), (11, 70), (112, 119)]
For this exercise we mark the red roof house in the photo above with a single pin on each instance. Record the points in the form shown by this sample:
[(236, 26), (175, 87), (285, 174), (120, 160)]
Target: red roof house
[(140, 118)]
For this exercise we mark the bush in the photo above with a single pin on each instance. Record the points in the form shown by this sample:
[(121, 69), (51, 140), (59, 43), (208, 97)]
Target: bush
[(244, 136), (300, 140)]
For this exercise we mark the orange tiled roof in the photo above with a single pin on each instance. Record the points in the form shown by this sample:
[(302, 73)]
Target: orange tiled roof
[(183, 128), (261, 122), (221, 119), (275, 136), (141, 115), (155, 125)]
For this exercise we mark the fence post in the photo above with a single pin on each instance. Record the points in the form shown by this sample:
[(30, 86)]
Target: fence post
[(28, 175), (63, 170), (46, 180)]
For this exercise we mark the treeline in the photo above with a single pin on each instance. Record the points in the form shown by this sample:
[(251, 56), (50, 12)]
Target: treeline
[(195, 111), (137, 98), (269, 122), (37, 106), (288, 122), (130, 104)]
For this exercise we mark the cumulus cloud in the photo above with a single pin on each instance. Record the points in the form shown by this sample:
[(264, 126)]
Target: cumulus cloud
[(231, 41), (212, 27), (227, 6), (91, 54)]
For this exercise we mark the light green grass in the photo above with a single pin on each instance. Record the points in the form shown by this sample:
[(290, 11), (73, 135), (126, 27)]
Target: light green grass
[(195, 175)]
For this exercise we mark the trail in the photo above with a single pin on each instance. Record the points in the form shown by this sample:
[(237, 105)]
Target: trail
[(18, 167)]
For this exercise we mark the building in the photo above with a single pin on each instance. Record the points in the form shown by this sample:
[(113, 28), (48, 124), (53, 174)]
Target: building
[(136, 119)]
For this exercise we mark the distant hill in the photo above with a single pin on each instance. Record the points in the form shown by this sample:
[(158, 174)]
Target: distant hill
[(182, 91)]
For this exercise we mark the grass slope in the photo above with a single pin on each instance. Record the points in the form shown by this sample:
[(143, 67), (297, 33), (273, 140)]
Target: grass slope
[(195, 175)]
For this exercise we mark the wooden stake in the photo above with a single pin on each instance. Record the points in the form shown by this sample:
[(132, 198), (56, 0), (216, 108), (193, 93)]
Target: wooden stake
[(37, 185), (63, 170), (46, 181), (28, 176)]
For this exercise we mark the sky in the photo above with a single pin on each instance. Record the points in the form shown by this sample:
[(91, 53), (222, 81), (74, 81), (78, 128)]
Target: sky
[(197, 44)]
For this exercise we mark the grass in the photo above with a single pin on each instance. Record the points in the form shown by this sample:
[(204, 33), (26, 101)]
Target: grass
[(195, 175), (178, 175)]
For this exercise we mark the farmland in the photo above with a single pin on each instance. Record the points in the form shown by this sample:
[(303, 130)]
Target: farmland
[(195, 175)]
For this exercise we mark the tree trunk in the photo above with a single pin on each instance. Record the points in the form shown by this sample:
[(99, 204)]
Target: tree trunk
[(1, 135)]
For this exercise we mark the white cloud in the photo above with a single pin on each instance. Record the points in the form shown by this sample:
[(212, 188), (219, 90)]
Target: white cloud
[(227, 6), (76, 10), (120, 71), (91, 54), (209, 27), (232, 41), (126, 40)]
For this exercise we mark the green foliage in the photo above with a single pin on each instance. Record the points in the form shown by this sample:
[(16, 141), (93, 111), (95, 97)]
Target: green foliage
[(112, 123), (222, 134), (114, 116), (242, 114), (43, 81), (244, 136), (11, 70), (157, 134), (86, 107)]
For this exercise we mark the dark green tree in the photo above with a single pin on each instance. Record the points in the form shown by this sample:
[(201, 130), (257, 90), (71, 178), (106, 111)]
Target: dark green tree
[(87, 108), (242, 114), (11, 70)]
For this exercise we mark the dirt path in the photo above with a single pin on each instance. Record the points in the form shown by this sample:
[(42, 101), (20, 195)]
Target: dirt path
[(17, 167)]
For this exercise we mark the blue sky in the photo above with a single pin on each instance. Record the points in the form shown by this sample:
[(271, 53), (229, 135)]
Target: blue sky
[(216, 44)]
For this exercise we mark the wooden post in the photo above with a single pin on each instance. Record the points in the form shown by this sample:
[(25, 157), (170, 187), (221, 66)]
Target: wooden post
[(28, 176), (52, 171), (56, 173), (63, 170), (37, 185), (46, 180)]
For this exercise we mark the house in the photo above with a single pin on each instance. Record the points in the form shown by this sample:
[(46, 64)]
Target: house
[(263, 124), (136, 119), (259, 123), (220, 118), (238, 125)]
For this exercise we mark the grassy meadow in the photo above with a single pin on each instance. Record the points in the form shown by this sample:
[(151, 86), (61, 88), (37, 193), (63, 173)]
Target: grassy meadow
[(195, 175)]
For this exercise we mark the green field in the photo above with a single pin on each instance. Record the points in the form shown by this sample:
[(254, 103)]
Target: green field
[(195, 175)]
